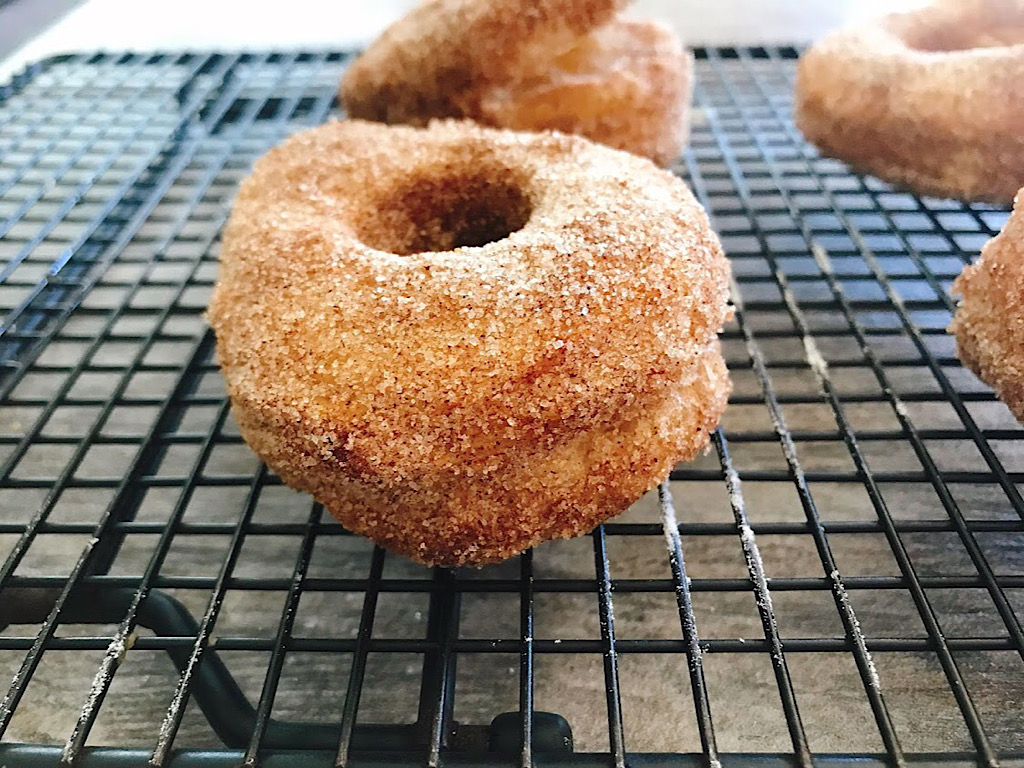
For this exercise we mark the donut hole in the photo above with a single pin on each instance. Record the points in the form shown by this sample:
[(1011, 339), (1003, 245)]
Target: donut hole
[(442, 213)]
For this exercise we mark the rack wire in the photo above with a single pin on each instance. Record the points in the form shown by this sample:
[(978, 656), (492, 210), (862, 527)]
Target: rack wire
[(839, 581)]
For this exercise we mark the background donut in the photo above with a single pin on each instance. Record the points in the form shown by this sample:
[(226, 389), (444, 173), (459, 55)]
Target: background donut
[(989, 321), (424, 65), (931, 100), (526, 65), (627, 84)]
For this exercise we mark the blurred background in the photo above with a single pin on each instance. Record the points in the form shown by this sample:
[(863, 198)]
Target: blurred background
[(31, 29)]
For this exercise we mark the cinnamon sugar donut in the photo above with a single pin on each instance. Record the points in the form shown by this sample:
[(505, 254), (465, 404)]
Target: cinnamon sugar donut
[(931, 100), (569, 65), (989, 321), (464, 341)]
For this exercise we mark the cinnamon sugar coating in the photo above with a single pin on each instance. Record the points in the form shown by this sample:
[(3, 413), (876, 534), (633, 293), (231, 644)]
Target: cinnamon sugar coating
[(989, 321), (568, 65), (464, 341), (931, 100)]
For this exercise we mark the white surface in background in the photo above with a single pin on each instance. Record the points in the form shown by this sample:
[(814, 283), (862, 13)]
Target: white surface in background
[(146, 25)]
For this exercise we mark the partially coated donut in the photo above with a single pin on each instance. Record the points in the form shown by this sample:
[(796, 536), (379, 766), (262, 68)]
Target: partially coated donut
[(627, 85), (569, 65), (464, 341), (931, 100), (430, 61), (989, 321)]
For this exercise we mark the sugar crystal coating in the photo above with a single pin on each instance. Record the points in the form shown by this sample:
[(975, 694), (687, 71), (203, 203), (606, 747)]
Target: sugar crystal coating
[(541, 367)]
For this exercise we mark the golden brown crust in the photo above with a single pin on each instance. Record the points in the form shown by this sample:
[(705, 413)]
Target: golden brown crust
[(931, 100), (556, 64), (460, 405), (989, 321)]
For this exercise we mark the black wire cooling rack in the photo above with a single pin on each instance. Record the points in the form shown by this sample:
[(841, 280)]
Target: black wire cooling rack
[(840, 580)]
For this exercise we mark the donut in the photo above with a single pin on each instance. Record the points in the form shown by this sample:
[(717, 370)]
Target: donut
[(989, 320), (463, 341), (626, 85), (931, 100), (570, 65)]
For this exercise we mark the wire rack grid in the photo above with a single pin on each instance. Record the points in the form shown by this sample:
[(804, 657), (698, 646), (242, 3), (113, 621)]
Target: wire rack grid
[(840, 580)]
